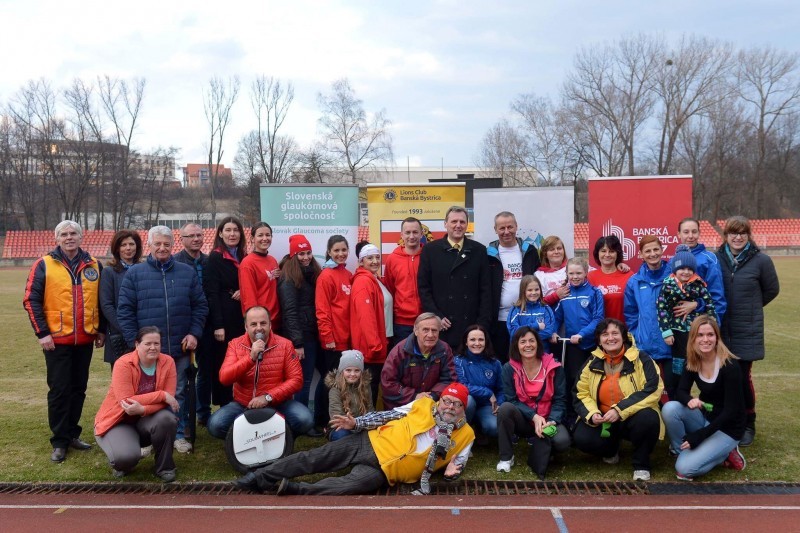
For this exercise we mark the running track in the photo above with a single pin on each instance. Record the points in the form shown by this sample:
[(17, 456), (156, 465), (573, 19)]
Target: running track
[(247, 512)]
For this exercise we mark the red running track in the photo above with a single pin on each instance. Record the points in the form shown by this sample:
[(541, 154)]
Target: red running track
[(246, 512)]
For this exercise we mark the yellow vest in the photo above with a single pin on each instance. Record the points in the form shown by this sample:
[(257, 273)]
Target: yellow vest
[(395, 443), (67, 303)]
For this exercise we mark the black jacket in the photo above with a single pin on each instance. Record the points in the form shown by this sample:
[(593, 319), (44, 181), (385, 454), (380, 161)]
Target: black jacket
[(749, 286), (455, 284), (298, 310), (220, 281)]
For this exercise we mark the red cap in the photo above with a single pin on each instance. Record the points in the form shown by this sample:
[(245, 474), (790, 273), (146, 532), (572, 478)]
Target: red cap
[(457, 390), (298, 243)]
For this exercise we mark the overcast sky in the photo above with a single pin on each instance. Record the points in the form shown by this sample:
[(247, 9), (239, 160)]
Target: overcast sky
[(444, 71)]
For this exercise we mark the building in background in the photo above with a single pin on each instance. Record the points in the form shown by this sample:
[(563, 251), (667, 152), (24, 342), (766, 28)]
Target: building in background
[(198, 175)]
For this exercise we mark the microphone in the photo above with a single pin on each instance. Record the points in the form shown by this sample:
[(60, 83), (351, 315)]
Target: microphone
[(260, 337)]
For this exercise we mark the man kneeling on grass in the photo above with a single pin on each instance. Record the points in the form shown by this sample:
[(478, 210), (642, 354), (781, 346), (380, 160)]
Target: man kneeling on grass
[(404, 445)]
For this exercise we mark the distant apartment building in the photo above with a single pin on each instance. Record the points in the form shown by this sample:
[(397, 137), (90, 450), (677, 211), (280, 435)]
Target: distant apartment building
[(155, 167), (198, 175)]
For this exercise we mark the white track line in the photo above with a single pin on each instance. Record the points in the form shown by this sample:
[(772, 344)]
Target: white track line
[(462, 507)]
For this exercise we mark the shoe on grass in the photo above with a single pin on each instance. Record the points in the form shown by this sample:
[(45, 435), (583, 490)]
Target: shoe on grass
[(505, 466), (614, 459), (748, 437), (681, 477), (735, 460), (58, 455), (117, 473), (146, 451), (78, 444), (641, 475), (167, 476), (182, 445)]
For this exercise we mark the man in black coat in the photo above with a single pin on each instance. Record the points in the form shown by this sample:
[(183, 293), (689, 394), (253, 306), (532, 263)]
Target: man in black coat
[(453, 279)]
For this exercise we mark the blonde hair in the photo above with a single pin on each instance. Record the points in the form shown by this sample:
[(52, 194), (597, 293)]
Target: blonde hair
[(580, 262), (693, 359), (335, 380), (522, 301)]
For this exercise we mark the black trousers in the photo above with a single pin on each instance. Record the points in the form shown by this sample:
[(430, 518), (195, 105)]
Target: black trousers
[(500, 340), (749, 391), (641, 429), (355, 450), (574, 359), (375, 371), (510, 422), (67, 376)]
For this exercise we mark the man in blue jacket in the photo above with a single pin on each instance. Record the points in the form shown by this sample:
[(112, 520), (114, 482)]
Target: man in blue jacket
[(165, 293)]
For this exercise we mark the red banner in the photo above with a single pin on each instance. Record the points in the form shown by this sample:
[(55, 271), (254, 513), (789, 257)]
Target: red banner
[(633, 206)]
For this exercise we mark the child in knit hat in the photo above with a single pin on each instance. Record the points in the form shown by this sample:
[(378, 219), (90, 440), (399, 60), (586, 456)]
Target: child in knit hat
[(350, 391), (682, 285)]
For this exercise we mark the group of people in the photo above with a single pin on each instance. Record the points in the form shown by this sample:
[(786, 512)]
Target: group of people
[(450, 335)]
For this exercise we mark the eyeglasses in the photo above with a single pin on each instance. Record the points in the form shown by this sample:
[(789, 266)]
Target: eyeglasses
[(193, 236), (737, 235), (451, 403)]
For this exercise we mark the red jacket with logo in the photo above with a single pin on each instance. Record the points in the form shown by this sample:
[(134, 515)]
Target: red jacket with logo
[(279, 372), (367, 320), (400, 277), (332, 301), (257, 285)]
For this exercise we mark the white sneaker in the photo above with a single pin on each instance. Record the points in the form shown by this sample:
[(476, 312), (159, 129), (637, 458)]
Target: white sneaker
[(614, 459), (505, 466), (183, 446), (641, 475), (146, 451)]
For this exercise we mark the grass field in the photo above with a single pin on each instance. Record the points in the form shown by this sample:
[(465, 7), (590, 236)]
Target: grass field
[(24, 432)]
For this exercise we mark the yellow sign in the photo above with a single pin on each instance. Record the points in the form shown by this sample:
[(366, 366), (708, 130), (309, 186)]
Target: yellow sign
[(390, 204)]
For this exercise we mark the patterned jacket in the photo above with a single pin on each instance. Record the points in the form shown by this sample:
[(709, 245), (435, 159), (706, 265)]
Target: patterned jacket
[(672, 292)]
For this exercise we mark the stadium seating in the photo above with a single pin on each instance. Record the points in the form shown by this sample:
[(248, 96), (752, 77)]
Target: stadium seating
[(767, 233)]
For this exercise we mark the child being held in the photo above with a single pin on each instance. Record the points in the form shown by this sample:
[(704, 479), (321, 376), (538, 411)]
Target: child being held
[(529, 310), (350, 391), (683, 298)]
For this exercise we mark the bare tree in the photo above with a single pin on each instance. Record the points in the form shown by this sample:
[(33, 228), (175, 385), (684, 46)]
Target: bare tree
[(614, 84), (312, 165), (355, 140), (276, 153), (768, 82), (690, 78), (501, 149), (218, 101)]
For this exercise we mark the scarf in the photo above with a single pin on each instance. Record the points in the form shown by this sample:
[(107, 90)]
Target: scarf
[(438, 450)]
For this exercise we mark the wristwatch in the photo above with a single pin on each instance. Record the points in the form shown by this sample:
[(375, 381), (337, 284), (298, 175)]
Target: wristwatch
[(268, 397)]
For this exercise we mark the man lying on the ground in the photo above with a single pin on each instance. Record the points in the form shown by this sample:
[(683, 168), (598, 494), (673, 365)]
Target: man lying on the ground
[(404, 445)]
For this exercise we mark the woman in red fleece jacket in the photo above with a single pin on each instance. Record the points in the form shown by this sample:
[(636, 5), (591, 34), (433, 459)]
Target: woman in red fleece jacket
[(140, 408), (258, 275), (332, 301), (370, 312)]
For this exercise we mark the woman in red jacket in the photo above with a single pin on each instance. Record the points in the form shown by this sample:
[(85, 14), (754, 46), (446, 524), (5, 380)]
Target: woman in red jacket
[(140, 408), (332, 299), (370, 312), (258, 275)]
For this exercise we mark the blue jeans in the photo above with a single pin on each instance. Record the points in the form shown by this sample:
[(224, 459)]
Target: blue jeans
[(296, 414), (308, 364), (181, 368), (681, 420), (339, 434), (486, 419)]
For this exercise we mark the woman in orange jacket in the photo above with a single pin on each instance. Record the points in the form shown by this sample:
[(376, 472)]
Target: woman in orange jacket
[(370, 312), (332, 301), (140, 408)]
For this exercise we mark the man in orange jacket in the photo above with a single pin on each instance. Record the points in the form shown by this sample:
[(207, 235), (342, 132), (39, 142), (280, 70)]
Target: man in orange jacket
[(261, 355), (61, 299)]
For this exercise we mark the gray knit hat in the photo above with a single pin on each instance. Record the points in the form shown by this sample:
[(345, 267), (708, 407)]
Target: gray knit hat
[(351, 358), (683, 259)]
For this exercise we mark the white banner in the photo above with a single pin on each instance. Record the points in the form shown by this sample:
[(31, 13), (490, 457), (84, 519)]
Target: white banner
[(540, 212)]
